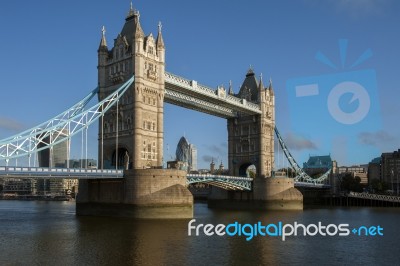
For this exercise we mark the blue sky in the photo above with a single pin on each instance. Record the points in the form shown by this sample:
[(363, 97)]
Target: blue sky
[(49, 59)]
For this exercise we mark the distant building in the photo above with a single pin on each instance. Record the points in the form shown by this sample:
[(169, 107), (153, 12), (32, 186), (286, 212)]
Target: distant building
[(81, 163), (55, 156), (186, 152), (374, 169), (212, 167), (193, 157), (19, 186), (356, 170), (179, 165), (52, 157), (390, 168), (317, 165)]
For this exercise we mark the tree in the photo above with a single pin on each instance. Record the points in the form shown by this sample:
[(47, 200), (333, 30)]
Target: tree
[(378, 186), (289, 171), (350, 183)]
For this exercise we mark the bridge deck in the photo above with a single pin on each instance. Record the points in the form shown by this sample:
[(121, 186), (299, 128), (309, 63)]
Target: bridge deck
[(226, 182)]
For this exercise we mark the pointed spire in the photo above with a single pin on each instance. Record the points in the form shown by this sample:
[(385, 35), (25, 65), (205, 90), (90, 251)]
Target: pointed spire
[(103, 42), (270, 86), (138, 30), (250, 72), (159, 41), (261, 85), (230, 88), (131, 11)]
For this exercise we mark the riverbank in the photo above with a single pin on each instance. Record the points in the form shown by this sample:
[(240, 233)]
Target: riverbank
[(37, 197)]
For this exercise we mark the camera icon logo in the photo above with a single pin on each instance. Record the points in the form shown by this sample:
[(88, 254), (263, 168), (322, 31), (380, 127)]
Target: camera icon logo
[(359, 94), (341, 104)]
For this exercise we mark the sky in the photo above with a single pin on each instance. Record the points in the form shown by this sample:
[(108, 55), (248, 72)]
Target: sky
[(334, 66)]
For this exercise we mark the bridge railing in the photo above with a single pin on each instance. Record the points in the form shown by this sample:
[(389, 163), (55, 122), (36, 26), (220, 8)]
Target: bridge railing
[(311, 185), (374, 196), (49, 172), (221, 176)]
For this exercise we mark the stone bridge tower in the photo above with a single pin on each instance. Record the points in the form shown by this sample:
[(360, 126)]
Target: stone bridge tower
[(133, 130), (251, 137)]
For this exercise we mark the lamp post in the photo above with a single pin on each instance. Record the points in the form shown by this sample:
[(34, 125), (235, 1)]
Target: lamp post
[(397, 191), (391, 178)]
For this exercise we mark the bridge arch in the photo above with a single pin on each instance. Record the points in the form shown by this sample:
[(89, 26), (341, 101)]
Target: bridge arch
[(123, 160), (246, 168)]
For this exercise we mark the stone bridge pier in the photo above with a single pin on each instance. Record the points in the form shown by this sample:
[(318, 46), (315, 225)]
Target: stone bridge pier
[(142, 193), (267, 194)]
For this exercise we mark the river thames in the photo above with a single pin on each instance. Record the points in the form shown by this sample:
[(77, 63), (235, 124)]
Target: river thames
[(49, 233)]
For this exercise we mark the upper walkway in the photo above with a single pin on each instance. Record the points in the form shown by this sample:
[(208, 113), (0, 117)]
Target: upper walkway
[(190, 94)]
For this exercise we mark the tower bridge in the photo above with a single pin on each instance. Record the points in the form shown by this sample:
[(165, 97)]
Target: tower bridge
[(132, 88)]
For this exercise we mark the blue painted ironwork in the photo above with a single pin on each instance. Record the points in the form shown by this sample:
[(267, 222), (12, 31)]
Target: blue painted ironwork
[(301, 176), (222, 181), (60, 128)]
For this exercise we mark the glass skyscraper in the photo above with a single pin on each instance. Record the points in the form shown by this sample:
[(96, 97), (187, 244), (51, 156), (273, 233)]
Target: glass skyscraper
[(187, 152)]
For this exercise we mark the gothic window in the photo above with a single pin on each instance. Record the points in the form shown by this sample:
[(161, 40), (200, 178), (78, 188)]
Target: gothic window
[(154, 101), (151, 51), (154, 143), (114, 69), (149, 151), (118, 67), (144, 124), (154, 128), (245, 148), (120, 51), (150, 66), (148, 126)]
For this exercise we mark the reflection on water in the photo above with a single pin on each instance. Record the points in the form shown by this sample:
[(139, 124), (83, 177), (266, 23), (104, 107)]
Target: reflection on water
[(49, 233)]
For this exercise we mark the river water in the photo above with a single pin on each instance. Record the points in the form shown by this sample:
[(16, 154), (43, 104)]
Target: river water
[(49, 233)]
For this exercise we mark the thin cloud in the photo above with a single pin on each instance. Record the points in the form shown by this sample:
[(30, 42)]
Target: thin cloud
[(10, 124), (362, 8), (375, 138), (217, 149), (207, 158), (294, 142)]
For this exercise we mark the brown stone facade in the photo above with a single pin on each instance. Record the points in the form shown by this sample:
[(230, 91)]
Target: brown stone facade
[(267, 194), (135, 125), (251, 137), (148, 194)]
